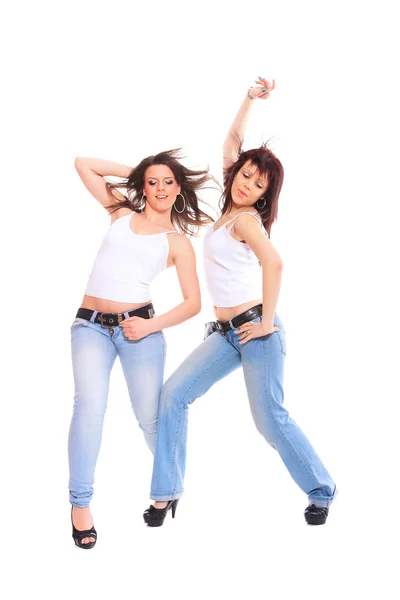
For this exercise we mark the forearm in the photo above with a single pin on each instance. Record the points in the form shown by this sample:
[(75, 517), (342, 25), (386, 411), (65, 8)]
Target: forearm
[(184, 311), (272, 276), (103, 167), (238, 128)]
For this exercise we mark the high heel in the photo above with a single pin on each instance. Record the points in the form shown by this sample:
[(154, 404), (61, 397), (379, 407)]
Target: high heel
[(154, 517), (316, 515), (81, 535)]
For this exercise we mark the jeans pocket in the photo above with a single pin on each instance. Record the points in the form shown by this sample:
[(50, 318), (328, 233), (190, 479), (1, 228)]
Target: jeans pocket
[(79, 321), (282, 338), (280, 333), (154, 334)]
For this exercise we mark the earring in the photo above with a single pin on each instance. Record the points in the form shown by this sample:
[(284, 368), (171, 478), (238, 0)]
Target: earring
[(184, 204), (265, 202)]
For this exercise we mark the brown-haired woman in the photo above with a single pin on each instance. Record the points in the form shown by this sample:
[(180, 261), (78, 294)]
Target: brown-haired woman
[(247, 331), (116, 316)]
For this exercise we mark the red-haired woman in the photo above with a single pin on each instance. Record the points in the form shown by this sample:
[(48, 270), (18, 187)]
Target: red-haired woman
[(116, 317), (247, 332)]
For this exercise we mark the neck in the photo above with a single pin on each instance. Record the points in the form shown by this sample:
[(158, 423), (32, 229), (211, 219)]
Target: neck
[(156, 218)]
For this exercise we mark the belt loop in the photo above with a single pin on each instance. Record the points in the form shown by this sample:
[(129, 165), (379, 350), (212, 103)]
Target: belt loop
[(94, 315), (231, 324)]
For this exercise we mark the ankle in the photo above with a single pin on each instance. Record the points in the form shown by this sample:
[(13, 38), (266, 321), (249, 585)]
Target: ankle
[(160, 504)]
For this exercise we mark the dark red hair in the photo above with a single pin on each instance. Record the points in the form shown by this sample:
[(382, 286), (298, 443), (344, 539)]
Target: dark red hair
[(266, 163)]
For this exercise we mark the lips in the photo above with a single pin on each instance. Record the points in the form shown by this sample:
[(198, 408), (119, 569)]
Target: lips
[(161, 197), (242, 194)]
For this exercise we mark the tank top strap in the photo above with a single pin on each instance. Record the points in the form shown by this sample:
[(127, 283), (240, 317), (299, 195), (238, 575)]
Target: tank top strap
[(231, 223)]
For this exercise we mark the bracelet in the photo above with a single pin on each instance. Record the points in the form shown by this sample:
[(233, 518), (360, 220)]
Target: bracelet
[(249, 96)]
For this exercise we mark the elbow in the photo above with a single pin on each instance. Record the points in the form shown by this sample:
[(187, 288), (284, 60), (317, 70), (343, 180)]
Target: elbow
[(82, 163), (275, 265), (195, 307), (79, 163)]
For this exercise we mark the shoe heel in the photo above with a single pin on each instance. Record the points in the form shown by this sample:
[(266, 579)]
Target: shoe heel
[(173, 507)]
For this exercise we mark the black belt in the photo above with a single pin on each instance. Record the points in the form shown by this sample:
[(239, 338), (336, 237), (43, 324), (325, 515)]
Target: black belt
[(248, 315), (114, 319)]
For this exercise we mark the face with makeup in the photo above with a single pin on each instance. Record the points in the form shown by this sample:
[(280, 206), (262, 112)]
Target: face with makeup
[(160, 188), (248, 186)]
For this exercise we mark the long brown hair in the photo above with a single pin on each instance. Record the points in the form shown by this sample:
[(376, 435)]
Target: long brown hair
[(266, 163), (192, 217)]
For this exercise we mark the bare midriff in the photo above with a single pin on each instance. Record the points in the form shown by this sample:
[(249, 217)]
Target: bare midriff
[(224, 313), (109, 306)]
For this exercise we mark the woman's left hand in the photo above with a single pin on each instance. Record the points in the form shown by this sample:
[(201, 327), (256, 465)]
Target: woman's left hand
[(250, 331), (136, 328), (258, 92)]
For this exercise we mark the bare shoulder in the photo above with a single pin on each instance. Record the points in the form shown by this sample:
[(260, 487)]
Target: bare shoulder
[(249, 215), (248, 223), (180, 249), (178, 242)]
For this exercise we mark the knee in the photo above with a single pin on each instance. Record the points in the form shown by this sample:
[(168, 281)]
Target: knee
[(173, 394), (90, 408), (270, 425), (148, 428), (266, 428)]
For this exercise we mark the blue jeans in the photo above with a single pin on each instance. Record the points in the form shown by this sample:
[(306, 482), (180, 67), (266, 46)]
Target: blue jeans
[(94, 351), (262, 360)]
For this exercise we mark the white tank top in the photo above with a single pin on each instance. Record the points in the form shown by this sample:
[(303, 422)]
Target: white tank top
[(232, 270), (127, 263)]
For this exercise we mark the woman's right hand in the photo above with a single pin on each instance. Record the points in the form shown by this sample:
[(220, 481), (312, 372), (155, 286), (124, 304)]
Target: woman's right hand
[(258, 92)]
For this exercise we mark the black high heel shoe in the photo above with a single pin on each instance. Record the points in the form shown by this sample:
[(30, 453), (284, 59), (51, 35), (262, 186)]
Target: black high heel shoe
[(154, 517), (81, 535), (316, 515)]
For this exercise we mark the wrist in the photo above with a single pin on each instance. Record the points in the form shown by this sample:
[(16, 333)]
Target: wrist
[(267, 324), (153, 327), (249, 94)]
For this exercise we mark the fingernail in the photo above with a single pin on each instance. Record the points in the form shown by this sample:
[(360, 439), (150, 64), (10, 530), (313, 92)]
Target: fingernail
[(264, 90)]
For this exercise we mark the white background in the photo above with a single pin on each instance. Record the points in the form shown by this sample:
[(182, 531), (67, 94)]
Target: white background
[(124, 80)]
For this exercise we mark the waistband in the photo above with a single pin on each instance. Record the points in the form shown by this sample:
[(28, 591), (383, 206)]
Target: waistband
[(114, 319), (247, 315)]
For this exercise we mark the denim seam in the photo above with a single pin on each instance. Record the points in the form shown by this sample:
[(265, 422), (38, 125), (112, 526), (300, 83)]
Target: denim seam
[(181, 407), (280, 341), (283, 435)]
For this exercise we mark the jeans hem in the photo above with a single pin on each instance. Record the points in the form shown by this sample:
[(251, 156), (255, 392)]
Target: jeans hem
[(323, 502), (78, 505), (165, 497)]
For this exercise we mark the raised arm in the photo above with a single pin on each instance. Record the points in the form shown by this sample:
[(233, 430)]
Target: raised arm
[(92, 172), (237, 130)]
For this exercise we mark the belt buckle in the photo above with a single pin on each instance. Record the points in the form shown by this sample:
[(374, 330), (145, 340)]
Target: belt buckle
[(110, 320)]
